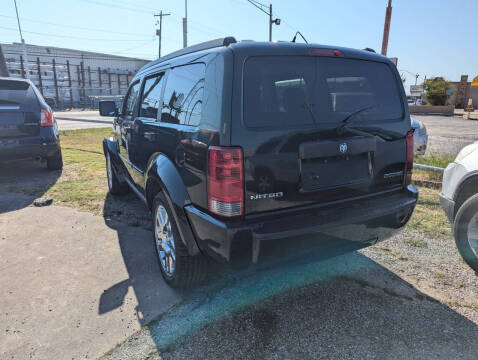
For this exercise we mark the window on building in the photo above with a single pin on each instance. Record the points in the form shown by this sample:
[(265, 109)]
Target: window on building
[(183, 95)]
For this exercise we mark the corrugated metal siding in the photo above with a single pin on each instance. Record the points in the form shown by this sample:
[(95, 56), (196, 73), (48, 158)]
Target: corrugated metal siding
[(92, 74)]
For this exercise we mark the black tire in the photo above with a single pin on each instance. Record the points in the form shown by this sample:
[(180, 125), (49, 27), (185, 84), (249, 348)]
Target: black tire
[(460, 230), (55, 162), (188, 270), (114, 185)]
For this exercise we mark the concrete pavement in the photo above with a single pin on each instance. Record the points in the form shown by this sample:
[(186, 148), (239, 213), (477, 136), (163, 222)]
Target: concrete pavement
[(73, 285), (72, 120)]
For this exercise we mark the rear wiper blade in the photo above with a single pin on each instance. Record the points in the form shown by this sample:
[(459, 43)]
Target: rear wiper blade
[(343, 123), (378, 133)]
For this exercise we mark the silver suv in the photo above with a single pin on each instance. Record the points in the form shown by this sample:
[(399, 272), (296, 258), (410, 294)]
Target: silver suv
[(459, 199)]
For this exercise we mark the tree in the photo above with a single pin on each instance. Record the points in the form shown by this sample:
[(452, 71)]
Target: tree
[(436, 91)]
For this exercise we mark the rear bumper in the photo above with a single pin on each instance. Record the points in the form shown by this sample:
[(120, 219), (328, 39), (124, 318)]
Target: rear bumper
[(25, 148), (448, 206), (361, 221)]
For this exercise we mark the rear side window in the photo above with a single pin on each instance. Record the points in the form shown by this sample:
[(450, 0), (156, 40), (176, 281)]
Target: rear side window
[(130, 100), (151, 98), (302, 90), (183, 95), (13, 92)]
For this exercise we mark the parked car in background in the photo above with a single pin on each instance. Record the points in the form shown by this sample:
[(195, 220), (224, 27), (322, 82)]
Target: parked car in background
[(420, 136), (236, 144), (27, 126), (459, 200)]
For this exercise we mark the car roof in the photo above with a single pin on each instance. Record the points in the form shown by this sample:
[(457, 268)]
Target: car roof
[(250, 48), (14, 79)]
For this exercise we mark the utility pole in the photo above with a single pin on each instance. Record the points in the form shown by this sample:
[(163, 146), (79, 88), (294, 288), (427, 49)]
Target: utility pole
[(263, 8), (27, 67), (159, 32), (386, 28), (185, 24)]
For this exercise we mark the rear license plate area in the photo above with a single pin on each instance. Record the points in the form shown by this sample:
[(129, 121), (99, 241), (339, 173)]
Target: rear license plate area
[(332, 172)]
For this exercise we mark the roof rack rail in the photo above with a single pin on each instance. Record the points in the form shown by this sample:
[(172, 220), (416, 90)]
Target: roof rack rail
[(225, 41)]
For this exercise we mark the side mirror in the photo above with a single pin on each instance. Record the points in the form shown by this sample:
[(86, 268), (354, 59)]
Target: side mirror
[(108, 108)]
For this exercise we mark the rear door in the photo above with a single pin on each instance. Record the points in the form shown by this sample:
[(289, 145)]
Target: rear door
[(19, 110), (295, 154)]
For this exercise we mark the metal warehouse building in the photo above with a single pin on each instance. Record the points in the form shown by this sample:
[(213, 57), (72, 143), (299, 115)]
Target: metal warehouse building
[(71, 77)]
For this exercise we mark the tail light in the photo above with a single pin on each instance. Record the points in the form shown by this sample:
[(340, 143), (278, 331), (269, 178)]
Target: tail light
[(225, 181), (408, 159), (46, 118)]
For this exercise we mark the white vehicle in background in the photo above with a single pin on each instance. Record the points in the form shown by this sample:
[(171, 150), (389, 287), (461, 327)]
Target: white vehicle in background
[(420, 136), (459, 199)]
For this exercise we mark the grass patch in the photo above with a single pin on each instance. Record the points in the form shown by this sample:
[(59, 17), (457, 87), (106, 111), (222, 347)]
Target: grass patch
[(416, 242), (428, 217), (437, 160), (82, 183), (393, 253)]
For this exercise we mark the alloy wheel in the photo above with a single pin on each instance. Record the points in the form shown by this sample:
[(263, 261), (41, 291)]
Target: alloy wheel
[(164, 239)]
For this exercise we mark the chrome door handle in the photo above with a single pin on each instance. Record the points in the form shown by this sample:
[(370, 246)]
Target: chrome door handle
[(149, 135)]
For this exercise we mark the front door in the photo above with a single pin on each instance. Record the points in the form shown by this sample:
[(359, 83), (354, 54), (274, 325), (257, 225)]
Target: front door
[(125, 129)]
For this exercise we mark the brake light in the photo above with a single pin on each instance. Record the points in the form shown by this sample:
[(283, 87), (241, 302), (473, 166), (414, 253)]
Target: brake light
[(325, 52), (225, 181), (46, 118), (408, 159)]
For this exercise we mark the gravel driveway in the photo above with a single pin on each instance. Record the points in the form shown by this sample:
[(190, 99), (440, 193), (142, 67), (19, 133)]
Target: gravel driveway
[(448, 134), (391, 301)]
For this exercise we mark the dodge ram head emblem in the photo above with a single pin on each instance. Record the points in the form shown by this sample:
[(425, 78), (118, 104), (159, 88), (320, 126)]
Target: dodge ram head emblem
[(343, 148)]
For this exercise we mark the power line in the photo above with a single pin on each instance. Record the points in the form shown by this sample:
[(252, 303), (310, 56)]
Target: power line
[(114, 5), (71, 26), (69, 36)]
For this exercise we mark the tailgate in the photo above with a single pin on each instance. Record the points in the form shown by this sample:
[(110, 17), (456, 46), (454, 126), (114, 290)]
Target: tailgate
[(19, 110), (293, 153)]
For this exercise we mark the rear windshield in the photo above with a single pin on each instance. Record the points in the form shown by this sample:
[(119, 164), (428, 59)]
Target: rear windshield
[(300, 90), (13, 92)]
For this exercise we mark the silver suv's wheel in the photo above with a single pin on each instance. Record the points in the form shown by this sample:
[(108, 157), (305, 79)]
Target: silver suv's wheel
[(164, 239), (466, 231)]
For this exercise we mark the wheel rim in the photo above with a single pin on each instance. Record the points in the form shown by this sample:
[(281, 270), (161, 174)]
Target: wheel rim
[(164, 240), (473, 234), (109, 173)]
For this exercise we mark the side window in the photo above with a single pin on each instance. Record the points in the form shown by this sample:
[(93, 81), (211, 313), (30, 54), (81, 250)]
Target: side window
[(130, 99), (183, 95), (151, 98)]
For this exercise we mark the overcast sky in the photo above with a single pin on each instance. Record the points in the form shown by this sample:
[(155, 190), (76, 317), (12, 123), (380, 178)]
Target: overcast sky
[(429, 37)]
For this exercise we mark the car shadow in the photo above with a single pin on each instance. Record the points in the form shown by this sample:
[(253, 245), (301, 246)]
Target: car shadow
[(129, 217), (23, 181), (367, 305)]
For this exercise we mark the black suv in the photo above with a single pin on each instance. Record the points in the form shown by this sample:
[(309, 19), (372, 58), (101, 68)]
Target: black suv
[(27, 126), (235, 145)]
